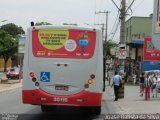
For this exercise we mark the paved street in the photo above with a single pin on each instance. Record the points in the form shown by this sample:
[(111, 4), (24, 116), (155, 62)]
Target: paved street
[(132, 102), (10, 103), (7, 85)]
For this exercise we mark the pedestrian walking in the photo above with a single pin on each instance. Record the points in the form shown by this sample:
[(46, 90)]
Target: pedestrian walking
[(142, 84), (154, 86), (116, 83), (148, 84)]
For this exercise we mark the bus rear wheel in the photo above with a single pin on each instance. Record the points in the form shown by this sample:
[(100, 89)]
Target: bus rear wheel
[(44, 108), (96, 110)]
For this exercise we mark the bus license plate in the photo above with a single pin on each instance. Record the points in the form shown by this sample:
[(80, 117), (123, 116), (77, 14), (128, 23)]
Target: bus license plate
[(61, 87)]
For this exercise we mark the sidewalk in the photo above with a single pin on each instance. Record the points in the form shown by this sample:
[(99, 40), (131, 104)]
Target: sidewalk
[(7, 85), (132, 103)]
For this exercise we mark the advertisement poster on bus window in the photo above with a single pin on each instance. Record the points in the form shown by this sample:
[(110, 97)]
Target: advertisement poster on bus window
[(63, 43), (150, 52)]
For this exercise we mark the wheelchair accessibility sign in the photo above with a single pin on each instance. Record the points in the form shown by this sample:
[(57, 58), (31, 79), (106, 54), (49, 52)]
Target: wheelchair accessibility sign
[(45, 77)]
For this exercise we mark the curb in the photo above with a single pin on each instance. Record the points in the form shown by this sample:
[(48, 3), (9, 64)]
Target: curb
[(18, 85)]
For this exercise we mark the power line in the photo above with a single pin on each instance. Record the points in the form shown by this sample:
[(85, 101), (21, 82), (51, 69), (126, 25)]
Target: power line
[(102, 29), (128, 1), (106, 12), (98, 7), (95, 10), (115, 30), (130, 5), (116, 5), (115, 23), (138, 5)]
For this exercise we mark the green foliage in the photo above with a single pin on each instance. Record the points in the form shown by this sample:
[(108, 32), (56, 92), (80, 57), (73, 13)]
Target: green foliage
[(8, 46), (9, 41), (108, 45), (42, 23), (12, 29)]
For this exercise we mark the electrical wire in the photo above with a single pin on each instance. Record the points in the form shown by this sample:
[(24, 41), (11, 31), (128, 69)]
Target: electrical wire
[(95, 11), (116, 5), (98, 7), (114, 23), (138, 5), (115, 30), (130, 5), (128, 2)]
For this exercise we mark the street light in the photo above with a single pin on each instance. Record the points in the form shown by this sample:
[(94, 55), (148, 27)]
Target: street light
[(3, 20)]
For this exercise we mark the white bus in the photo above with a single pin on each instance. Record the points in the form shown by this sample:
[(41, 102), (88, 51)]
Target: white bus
[(63, 66)]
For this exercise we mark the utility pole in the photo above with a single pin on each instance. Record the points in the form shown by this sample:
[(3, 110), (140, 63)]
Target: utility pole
[(102, 30), (106, 12), (122, 43), (122, 33), (122, 18)]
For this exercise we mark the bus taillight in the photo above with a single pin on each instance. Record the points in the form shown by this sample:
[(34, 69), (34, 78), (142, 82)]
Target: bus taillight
[(92, 76), (31, 74), (90, 81), (37, 84), (34, 79), (86, 86)]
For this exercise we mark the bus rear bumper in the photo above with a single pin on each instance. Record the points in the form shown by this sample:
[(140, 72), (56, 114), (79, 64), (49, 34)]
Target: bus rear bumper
[(39, 97)]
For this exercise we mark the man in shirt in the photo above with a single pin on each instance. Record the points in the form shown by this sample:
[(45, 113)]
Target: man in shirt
[(116, 82)]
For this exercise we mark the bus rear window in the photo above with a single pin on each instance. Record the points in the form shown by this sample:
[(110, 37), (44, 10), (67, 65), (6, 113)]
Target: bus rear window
[(63, 43)]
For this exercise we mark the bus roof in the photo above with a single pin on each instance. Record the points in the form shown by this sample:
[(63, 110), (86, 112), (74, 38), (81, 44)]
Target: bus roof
[(65, 27)]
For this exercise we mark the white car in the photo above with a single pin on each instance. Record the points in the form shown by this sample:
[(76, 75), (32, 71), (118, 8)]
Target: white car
[(152, 72)]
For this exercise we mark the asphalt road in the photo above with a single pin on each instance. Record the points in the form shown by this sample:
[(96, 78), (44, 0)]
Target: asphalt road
[(11, 106)]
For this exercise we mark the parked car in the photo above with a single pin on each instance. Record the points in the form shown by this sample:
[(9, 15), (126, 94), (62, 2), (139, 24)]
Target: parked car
[(14, 73), (152, 72)]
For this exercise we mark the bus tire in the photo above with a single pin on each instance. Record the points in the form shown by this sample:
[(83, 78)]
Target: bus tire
[(44, 108), (96, 110)]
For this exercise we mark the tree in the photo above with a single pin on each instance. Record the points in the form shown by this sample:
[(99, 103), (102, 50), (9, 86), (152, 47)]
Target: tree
[(8, 46), (42, 23), (12, 29), (107, 45), (9, 41)]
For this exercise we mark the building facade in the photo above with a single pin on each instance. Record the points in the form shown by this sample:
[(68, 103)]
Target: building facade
[(9, 63), (136, 29)]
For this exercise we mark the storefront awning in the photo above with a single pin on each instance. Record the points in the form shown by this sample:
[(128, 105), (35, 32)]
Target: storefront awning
[(136, 42)]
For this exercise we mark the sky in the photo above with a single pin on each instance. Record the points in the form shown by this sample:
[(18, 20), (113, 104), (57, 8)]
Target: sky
[(81, 12)]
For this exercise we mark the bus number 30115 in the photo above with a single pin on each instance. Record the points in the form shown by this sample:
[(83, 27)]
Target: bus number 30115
[(58, 99)]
